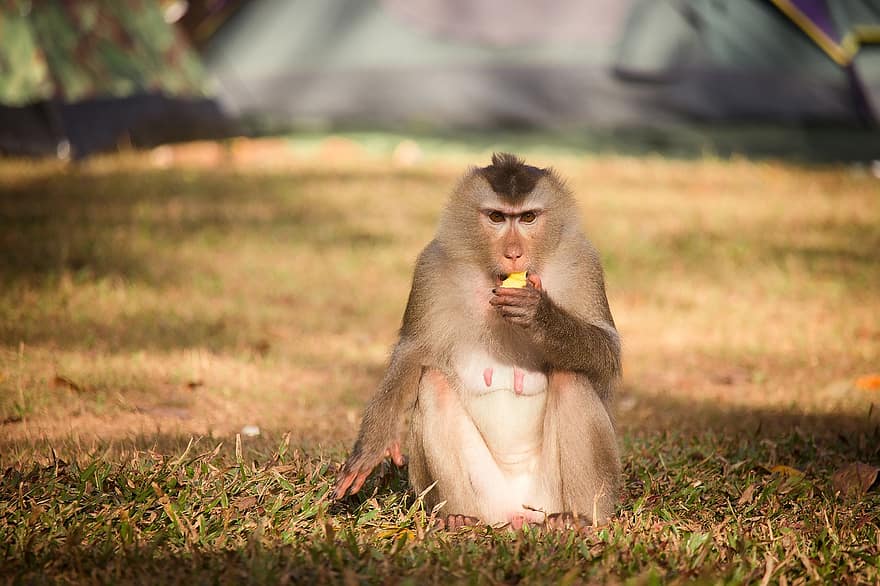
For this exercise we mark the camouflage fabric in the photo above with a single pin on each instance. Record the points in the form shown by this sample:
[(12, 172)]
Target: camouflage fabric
[(75, 49)]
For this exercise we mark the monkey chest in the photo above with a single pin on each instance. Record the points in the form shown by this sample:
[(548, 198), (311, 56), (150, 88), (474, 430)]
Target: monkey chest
[(506, 403)]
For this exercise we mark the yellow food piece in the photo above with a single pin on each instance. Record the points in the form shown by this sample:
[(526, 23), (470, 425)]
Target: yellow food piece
[(869, 382), (515, 280)]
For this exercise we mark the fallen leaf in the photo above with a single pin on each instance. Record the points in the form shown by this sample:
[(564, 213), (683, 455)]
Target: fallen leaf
[(786, 470), (36, 511), (245, 502), (747, 496), (166, 411), (869, 382), (194, 384), (262, 347), (62, 381), (731, 376), (855, 479)]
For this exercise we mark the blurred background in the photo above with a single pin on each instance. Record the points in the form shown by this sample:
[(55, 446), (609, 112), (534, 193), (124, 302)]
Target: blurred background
[(781, 78)]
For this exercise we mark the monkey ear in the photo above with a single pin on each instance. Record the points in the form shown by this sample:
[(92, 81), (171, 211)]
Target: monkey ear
[(535, 280)]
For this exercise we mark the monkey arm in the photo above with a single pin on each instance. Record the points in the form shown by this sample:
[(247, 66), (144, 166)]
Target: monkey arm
[(381, 429), (585, 341), (385, 416), (573, 343)]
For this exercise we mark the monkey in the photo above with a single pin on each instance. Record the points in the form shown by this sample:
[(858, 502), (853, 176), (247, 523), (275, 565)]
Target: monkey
[(501, 397)]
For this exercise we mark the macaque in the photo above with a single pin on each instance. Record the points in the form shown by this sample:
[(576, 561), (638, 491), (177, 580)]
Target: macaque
[(501, 394)]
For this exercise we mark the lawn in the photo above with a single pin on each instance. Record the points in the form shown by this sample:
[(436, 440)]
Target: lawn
[(188, 335)]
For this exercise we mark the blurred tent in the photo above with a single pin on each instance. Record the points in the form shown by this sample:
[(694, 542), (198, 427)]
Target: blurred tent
[(81, 77), (84, 76), (557, 64)]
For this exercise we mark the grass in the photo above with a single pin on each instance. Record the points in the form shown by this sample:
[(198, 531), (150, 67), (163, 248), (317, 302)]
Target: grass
[(154, 304)]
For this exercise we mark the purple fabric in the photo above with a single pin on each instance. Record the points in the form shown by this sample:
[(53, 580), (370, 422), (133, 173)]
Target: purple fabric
[(817, 12)]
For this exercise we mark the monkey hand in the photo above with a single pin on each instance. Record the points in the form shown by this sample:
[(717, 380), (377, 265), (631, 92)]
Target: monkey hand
[(519, 306), (359, 465)]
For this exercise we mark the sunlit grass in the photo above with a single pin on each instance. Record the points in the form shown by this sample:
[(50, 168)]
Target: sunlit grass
[(146, 299)]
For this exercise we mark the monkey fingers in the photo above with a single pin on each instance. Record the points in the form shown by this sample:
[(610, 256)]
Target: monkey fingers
[(350, 481), (516, 306), (528, 293), (357, 469), (395, 454), (512, 293), (523, 321), (518, 309), (514, 310), (505, 301), (359, 480), (354, 473), (343, 482)]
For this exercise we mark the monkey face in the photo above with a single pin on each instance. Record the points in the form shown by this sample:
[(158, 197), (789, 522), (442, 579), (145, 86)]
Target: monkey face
[(512, 233), (507, 217)]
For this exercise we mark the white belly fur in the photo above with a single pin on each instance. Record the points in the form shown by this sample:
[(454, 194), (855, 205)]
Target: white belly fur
[(496, 435), (511, 422)]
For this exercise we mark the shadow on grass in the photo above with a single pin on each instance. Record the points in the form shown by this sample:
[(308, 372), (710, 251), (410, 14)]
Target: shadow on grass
[(147, 329), (131, 224), (840, 436), (155, 563), (830, 437), (160, 229)]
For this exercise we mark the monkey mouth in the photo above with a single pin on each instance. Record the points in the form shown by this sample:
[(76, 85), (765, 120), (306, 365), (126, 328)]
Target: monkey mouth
[(504, 273)]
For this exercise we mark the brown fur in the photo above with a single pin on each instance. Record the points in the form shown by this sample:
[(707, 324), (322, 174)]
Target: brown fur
[(510, 177), (567, 332)]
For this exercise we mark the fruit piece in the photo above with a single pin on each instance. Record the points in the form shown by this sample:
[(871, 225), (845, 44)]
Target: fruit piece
[(869, 382), (515, 280)]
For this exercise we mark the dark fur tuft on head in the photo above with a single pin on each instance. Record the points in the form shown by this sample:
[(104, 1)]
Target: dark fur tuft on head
[(510, 177)]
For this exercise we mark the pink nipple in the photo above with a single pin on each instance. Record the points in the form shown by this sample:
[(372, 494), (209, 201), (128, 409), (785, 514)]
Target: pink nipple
[(487, 377), (518, 377)]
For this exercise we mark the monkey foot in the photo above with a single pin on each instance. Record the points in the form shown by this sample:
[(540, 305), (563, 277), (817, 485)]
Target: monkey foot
[(568, 521), (453, 522)]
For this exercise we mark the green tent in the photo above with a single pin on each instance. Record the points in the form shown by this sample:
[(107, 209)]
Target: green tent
[(79, 77), (558, 64)]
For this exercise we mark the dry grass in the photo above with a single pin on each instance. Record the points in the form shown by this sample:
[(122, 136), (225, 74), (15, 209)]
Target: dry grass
[(150, 298)]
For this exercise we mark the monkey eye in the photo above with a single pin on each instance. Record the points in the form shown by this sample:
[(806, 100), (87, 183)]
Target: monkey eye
[(528, 217), (496, 217)]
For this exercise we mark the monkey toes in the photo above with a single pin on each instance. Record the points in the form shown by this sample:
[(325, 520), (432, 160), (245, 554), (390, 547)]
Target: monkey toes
[(554, 522), (453, 522), (568, 521)]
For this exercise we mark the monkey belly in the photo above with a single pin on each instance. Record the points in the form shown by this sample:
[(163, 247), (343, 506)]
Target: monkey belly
[(512, 426), (484, 450), (506, 406)]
